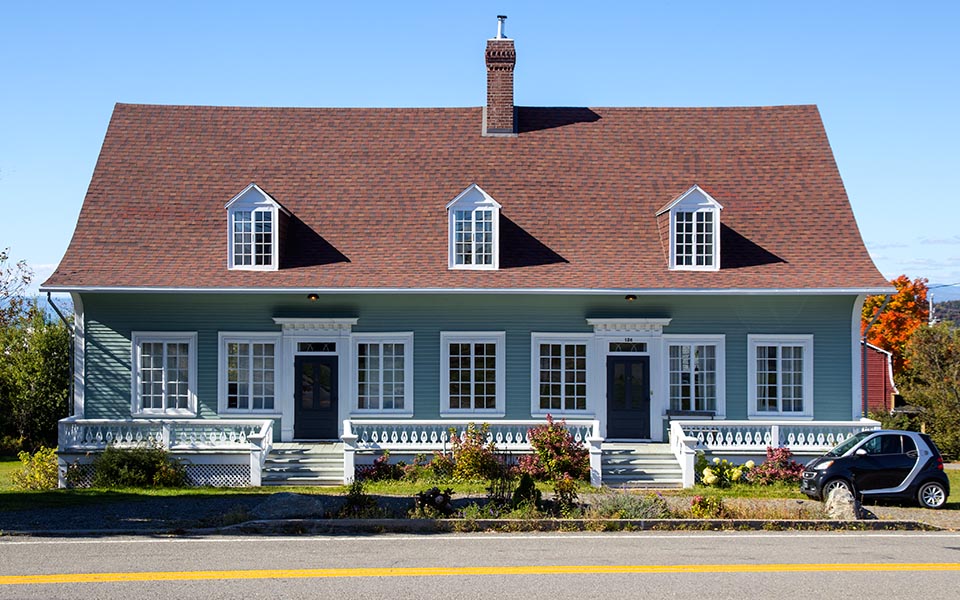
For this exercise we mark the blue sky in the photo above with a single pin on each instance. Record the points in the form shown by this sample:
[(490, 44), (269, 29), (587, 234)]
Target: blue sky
[(886, 76)]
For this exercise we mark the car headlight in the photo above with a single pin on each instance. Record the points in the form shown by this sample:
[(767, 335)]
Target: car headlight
[(824, 465)]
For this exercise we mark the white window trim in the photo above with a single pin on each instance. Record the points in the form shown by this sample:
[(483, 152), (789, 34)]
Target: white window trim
[(405, 338), (472, 199), (537, 338), (499, 338), (179, 337), (718, 340), (755, 340), (244, 201), (250, 337), (694, 200)]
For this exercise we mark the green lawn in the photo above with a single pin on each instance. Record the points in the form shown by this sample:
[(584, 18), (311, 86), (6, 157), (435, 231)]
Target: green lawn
[(8, 466), (13, 499)]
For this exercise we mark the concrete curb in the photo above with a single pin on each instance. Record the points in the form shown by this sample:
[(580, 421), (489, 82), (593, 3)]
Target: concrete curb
[(435, 526)]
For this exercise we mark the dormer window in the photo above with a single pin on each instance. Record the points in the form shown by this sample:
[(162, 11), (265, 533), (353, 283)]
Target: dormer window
[(694, 231), (254, 222), (474, 230)]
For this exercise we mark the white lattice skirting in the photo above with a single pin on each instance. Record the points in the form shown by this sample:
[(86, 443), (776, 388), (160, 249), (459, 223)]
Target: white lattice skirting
[(218, 475), (223, 471)]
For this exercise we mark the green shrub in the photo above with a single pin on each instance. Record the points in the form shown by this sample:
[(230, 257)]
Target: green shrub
[(526, 491), (474, 457), (137, 467), (39, 470), (565, 496), (630, 506), (360, 505)]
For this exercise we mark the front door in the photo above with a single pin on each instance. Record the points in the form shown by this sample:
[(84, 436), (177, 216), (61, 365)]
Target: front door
[(315, 401), (628, 397)]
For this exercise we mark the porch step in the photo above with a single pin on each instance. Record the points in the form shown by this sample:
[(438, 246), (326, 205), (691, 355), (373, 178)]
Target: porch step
[(640, 466), (304, 464)]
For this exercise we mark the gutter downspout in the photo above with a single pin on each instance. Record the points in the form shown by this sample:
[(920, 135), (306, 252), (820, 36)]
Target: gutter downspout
[(863, 353), (69, 352)]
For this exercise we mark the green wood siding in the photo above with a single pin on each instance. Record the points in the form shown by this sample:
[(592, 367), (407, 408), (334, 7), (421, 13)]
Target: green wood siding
[(110, 318)]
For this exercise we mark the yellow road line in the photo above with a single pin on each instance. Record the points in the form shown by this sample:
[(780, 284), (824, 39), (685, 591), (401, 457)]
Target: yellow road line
[(461, 571)]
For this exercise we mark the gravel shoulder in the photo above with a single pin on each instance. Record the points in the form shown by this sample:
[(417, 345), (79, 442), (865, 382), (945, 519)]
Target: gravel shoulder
[(172, 514)]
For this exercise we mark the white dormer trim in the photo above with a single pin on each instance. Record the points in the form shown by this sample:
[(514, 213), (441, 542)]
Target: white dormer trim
[(484, 212), (255, 201), (703, 209)]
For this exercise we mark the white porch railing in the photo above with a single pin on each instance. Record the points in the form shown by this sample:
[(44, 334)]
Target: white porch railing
[(686, 437), (430, 435), (175, 435)]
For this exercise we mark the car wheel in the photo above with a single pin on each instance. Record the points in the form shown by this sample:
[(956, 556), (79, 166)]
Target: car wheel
[(836, 484), (932, 495)]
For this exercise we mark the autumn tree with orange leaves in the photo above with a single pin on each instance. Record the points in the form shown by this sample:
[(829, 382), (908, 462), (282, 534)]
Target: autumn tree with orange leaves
[(904, 314)]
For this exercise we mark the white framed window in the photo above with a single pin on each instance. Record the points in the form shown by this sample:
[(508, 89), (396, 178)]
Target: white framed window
[(164, 374), (472, 373), (780, 376), (559, 367), (696, 373), (693, 239), (249, 372), (383, 382), (253, 230), (252, 243), (474, 230), (694, 231)]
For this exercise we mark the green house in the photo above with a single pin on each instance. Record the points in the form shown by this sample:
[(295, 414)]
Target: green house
[(261, 285)]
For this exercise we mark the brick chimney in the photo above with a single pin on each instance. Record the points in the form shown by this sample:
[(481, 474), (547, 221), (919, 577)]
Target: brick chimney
[(499, 115)]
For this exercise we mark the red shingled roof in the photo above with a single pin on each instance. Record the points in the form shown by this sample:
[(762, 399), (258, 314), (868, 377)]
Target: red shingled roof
[(367, 187)]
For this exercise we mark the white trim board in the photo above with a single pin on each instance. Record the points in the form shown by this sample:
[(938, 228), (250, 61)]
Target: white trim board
[(558, 291)]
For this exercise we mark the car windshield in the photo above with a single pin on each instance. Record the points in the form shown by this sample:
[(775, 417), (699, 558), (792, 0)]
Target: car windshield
[(848, 443)]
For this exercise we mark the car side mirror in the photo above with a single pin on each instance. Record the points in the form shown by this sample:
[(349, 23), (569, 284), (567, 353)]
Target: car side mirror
[(860, 452)]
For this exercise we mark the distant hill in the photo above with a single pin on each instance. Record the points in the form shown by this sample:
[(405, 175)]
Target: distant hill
[(947, 311), (944, 293)]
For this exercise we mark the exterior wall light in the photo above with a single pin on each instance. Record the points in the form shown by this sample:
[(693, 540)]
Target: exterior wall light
[(630, 297), (313, 297)]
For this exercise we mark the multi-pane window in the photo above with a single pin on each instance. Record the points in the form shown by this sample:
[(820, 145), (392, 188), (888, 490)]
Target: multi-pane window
[(253, 238), (251, 375), (694, 239), (781, 376), (693, 377), (163, 378), (473, 373), (381, 376), (563, 376), (473, 237)]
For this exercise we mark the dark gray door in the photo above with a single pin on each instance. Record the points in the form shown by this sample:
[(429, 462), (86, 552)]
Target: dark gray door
[(628, 397), (315, 398)]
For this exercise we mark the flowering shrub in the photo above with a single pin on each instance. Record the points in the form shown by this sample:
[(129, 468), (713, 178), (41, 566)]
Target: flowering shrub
[(707, 507), (556, 453), (720, 473), (381, 469), (779, 467), (529, 464)]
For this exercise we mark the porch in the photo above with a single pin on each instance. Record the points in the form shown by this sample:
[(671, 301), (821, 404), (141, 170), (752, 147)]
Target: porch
[(234, 452)]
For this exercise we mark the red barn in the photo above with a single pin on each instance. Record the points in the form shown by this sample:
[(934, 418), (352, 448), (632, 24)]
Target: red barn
[(879, 388)]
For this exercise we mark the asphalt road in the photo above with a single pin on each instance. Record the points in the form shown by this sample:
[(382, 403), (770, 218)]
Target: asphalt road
[(731, 565)]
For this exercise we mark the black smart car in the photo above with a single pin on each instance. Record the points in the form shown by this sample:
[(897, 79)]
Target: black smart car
[(900, 465)]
